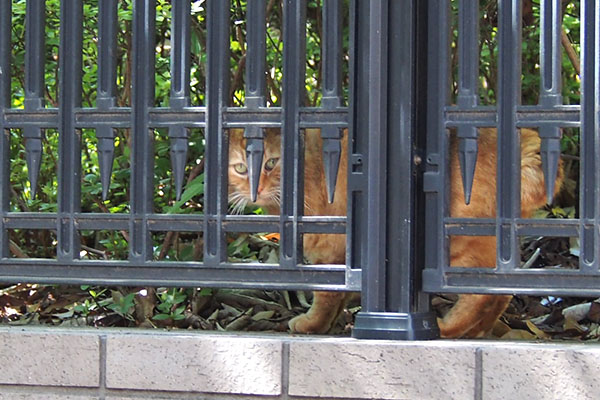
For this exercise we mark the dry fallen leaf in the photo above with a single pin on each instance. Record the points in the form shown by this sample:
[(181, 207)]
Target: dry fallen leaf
[(536, 331), (268, 314), (518, 334), (500, 329), (571, 324)]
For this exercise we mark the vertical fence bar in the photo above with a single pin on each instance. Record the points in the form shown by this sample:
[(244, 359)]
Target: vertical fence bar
[(180, 88), (392, 306), (508, 190), (142, 137), (332, 84), (255, 88), (468, 74), (180, 48), (107, 86), (217, 91), (35, 55), (589, 207), (436, 173), (292, 183), (69, 149), (358, 143), (5, 96), (421, 299), (332, 52), (550, 93), (256, 53)]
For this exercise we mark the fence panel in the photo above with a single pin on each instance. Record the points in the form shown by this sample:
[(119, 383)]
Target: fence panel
[(142, 119), (550, 117)]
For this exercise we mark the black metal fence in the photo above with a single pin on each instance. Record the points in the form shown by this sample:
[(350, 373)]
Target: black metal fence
[(398, 91)]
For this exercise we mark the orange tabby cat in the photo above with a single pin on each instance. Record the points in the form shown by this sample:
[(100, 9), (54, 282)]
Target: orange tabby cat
[(472, 315)]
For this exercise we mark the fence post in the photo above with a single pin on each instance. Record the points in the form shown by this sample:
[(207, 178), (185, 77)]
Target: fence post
[(388, 80)]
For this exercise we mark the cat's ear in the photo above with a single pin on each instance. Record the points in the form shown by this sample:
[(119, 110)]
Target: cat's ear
[(237, 145), (236, 136), (273, 143)]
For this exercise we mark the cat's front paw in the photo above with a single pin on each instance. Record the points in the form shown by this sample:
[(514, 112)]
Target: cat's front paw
[(303, 323)]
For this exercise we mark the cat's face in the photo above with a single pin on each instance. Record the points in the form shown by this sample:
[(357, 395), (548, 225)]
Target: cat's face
[(269, 188)]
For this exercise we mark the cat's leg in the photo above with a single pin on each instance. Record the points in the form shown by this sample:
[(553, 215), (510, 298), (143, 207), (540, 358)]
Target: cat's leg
[(493, 310), (473, 315), (324, 311), (326, 306)]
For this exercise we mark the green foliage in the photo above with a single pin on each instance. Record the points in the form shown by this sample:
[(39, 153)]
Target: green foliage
[(252, 248), (101, 299), (488, 61), (171, 304), (555, 212), (122, 304), (94, 302), (85, 308), (193, 189)]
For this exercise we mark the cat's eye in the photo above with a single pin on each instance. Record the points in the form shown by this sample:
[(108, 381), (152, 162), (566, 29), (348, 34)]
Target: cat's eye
[(240, 168), (271, 163)]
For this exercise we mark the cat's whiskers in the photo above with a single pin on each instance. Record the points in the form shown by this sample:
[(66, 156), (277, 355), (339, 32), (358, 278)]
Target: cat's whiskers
[(238, 202), (274, 196), (240, 206)]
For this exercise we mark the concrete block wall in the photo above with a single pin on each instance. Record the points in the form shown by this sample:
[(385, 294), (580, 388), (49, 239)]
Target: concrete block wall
[(42, 363)]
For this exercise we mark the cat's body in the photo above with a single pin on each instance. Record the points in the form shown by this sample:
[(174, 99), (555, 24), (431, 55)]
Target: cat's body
[(472, 315)]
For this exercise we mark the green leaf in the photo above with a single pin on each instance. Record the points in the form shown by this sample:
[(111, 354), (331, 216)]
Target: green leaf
[(194, 188), (161, 317), (179, 310)]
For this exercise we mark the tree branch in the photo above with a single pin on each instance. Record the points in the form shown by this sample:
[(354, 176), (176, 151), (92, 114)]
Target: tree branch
[(571, 53)]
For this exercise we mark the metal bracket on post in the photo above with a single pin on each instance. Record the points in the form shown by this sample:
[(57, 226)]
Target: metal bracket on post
[(393, 306)]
